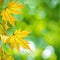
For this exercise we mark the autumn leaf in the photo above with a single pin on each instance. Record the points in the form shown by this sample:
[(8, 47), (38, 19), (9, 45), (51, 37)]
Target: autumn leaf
[(12, 8), (17, 39)]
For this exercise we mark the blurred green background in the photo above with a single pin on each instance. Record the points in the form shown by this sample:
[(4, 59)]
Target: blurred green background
[(42, 18)]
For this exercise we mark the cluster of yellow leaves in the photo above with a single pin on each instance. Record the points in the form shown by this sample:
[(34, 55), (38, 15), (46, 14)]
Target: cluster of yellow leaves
[(12, 8), (17, 39)]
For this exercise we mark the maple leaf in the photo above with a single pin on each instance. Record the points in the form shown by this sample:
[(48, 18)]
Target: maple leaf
[(12, 8), (17, 39)]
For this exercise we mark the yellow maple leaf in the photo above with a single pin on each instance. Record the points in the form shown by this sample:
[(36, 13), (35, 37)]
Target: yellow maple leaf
[(17, 39), (12, 8)]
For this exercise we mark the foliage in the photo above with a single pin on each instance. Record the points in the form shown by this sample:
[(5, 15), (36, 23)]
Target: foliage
[(40, 19)]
